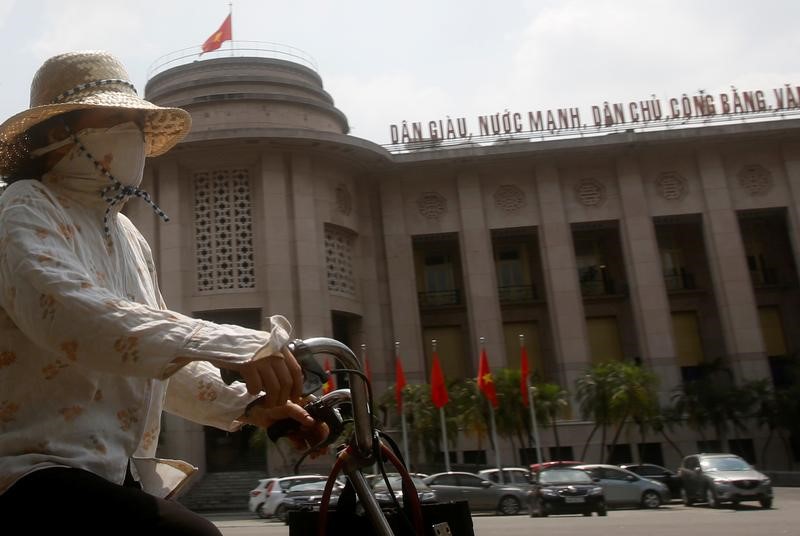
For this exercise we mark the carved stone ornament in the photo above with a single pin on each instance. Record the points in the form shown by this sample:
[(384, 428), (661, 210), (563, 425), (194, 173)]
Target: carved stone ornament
[(590, 192), (755, 179), (344, 202), (671, 185), (509, 198), (431, 205)]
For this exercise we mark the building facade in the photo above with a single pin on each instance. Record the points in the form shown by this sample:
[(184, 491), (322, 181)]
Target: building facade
[(668, 248)]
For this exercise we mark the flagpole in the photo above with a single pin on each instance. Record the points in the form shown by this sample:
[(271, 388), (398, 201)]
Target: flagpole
[(493, 428), (402, 413), (445, 450), (534, 423), (230, 14)]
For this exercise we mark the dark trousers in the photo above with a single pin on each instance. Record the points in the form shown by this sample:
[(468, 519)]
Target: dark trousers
[(74, 501)]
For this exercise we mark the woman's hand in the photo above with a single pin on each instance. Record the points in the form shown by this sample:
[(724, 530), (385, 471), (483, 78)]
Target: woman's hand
[(278, 375), (309, 434)]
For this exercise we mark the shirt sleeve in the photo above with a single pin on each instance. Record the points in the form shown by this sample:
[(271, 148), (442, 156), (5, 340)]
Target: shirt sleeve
[(47, 289), (196, 393)]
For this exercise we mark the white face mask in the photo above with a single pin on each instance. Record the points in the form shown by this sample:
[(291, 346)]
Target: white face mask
[(119, 149)]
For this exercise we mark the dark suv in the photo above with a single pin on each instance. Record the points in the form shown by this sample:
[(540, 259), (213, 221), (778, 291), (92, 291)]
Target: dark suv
[(719, 478)]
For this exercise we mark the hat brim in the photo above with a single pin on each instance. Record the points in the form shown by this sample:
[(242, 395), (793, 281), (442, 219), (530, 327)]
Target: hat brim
[(163, 127)]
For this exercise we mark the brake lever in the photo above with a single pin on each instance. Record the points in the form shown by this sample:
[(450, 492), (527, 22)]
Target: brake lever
[(313, 374)]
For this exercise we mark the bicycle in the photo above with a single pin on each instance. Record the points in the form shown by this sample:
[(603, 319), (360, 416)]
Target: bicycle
[(360, 448)]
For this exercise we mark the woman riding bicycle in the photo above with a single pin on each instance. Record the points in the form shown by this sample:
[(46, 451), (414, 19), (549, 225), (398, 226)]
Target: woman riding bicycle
[(89, 353)]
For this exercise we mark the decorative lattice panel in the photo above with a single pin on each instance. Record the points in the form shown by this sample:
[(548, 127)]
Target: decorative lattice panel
[(223, 228), (339, 261)]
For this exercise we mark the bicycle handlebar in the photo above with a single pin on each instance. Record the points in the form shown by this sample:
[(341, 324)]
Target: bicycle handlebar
[(360, 451)]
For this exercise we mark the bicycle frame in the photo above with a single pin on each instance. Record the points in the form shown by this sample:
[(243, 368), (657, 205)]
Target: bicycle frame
[(359, 452)]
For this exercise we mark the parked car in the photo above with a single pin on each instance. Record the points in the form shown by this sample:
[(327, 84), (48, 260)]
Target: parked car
[(625, 488), (481, 494), (536, 467), (721, 478), (512, 476), (565, 490), (306, 496), (267, 495), (381, 491), (658, 473)]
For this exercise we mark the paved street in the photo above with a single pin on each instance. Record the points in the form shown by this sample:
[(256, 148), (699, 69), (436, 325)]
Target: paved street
[(675, 519)]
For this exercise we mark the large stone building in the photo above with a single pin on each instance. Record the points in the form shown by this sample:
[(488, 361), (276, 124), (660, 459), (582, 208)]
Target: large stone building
[(667, 246)]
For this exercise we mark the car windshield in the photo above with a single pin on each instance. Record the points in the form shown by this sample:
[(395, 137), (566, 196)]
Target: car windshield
[(309, 486), (397, 484), (292, 482), (561, 476), (724, 464)]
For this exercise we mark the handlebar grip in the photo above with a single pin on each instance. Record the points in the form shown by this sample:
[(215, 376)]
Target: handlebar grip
[(282, 428)]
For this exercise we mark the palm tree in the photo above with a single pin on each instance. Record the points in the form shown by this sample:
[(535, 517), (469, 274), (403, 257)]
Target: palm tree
[(633, 396), (550, 401), (509, 417), (594, 391), (713, 401)]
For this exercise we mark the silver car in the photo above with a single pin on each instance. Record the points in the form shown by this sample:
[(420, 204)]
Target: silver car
[(625, 488), (481, 494), (519, 477), (719, 478)]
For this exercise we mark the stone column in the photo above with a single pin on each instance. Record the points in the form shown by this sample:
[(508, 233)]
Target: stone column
[(564, 299), (313, 315), (651, 309), (480, 280), (175, 246), (372, 292), (402, 281), (276, 274), (732, 286), (791, 159)]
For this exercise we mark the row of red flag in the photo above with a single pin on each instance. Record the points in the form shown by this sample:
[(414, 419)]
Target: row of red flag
[(439, 395)]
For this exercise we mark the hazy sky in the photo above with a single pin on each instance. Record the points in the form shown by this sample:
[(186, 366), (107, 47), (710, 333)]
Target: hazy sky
[(384, 62)]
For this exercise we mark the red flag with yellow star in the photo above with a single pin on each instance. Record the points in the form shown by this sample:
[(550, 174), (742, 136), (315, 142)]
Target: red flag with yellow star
[(225, 33), (485, 380), (330, 383)]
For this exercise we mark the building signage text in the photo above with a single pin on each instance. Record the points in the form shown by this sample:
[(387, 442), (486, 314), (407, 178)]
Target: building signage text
[(701, 105)]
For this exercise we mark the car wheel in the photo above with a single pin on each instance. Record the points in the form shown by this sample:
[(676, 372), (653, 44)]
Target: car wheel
[(587, 513), (651, 499), (602, 510), (281, 514), (687, 501), (260, 511), (711, 498), (766, 502), (509, 506)]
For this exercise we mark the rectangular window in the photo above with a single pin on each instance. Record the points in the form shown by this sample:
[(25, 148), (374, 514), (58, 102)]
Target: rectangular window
[(604, 340), (772, 329), (564, 453), (651, 453), (688, 344)]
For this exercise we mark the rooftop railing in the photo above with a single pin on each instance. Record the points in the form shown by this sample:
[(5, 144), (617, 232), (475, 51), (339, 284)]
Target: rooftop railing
[(232, 49)]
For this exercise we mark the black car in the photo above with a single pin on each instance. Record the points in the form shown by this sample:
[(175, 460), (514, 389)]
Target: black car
[(659, 474), (306, 497), (565, 491)]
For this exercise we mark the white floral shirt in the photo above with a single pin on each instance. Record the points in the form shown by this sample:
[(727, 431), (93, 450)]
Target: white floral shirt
[(87, 345)]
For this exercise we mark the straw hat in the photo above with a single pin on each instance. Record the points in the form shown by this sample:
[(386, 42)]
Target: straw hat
[(90, 80)]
